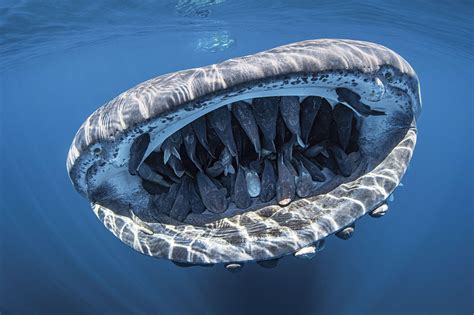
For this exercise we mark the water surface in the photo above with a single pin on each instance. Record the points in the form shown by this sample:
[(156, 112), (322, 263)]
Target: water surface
[(60, 61)]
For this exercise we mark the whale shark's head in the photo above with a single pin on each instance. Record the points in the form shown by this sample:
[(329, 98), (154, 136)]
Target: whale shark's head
[(253, 158)]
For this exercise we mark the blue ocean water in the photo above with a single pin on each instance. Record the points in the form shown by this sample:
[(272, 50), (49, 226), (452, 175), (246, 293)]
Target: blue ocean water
[(59, 61)]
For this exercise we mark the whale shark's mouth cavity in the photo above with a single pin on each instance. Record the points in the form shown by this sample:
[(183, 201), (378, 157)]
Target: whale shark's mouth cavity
[(248, 154)]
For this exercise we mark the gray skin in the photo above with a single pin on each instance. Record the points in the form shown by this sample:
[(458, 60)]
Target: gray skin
[(265, 111), (200, 129), (308, 110), (350, 97), (268, 190), (220, 121), (137, 151), (285, 187), (383, 80), (170, 146), (243, 113), (343, 118), (290, 112), (241, 195), (213, 198), (190, 143)]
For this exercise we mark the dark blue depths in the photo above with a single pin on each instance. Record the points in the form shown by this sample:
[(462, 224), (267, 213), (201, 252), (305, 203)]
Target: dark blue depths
[(60, 61)]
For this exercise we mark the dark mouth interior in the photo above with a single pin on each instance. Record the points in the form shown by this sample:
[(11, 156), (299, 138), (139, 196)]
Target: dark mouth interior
[(248, 154)]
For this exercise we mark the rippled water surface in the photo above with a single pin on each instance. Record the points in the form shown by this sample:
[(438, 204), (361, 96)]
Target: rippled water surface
[(59, 61)]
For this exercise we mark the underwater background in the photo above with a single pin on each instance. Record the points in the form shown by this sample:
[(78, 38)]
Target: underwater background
[(60, 60)]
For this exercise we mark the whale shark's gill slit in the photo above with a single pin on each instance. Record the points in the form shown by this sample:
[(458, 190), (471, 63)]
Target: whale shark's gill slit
[(242, 156)]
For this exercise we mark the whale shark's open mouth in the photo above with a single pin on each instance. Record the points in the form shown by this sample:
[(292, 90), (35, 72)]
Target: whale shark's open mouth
[(254, 158), (249, 154)]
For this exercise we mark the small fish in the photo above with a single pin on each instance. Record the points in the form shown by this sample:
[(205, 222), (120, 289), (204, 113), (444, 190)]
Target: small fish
[(265, 112), (153, 188), (308, 110), (287, 149), (190, 145), (149, 175), (229, 183), (304, 181), (268, 189), (200, 130), (244, 116), (176, 166), (137, 151), (181, 206), (223, 165), (215, 144), (253, 182), (256, 165), (312, 168), (322, 123), (171, 146), (285, 188), (220, 120), (343, 162), (290, 112), (194, 200), (159, 166), (241, 195), (315, 150), (343, 118), (226, 159), (164, 202), (215, 170), (213, 198), (280, 133)]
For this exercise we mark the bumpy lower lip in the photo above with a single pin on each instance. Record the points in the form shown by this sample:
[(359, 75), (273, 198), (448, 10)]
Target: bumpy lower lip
[(372, 80)]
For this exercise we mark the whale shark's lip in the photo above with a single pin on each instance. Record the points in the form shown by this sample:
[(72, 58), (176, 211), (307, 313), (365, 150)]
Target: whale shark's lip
[(160, 106)]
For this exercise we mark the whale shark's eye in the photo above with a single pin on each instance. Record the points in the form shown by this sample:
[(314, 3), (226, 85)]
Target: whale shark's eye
[(254, 158), (96, 150)]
